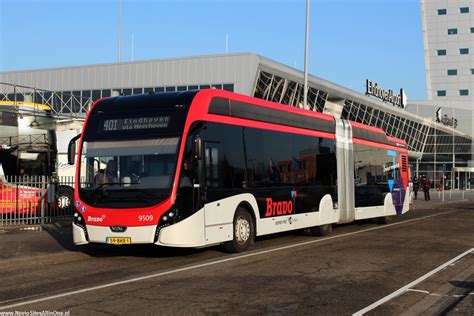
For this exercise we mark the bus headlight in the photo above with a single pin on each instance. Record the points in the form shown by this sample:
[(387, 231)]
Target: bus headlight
[(77, 217), (170, 215)]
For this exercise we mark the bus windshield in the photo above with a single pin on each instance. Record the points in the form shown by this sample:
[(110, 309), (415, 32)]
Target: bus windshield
[(127, 173)]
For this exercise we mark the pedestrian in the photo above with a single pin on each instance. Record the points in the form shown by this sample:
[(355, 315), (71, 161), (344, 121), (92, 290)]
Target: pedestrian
[(426, 186), (416, 187), (441, 185)]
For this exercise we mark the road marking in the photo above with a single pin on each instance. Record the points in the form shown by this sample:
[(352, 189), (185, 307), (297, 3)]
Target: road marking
[(447, 295), (438, 294), (415, 290), (211, 263), (405, 288)]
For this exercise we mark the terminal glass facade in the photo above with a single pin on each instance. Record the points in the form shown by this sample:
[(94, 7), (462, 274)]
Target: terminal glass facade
[(442, 148)]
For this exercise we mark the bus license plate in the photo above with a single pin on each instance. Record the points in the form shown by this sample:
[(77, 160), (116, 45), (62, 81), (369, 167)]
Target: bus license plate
[(119, 240)]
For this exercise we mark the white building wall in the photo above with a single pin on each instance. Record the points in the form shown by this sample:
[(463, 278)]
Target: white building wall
[(436, 37), (237, 69)]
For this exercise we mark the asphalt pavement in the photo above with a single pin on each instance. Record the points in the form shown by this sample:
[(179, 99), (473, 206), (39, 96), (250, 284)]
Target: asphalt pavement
[(356, 266)]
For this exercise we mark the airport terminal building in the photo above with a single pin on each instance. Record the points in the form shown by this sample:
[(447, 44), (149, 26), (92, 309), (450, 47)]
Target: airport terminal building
[(435, 149)]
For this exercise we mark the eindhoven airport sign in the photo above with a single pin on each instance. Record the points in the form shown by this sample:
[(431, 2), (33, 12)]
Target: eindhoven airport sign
[(375, 90)]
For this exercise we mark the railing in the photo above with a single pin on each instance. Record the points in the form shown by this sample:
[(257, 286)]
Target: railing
[(30, 140), (63, 105), (450, 195), (33, 200)]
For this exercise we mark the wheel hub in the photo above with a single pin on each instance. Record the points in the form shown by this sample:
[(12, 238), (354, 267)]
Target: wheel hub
[(242, 230), (64, 201)]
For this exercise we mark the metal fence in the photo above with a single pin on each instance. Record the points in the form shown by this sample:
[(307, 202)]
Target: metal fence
[(30, 200), (450, 195), (445, 196), (62, 104)]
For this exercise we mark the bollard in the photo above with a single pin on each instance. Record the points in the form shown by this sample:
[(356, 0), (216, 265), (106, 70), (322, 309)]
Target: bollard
[(43, 201)]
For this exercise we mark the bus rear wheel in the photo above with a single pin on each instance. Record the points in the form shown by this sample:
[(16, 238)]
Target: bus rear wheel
[(384, 220), (243, 232), (322, 230)]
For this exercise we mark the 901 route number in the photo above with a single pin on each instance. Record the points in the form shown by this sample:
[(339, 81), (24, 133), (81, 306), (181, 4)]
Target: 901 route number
[(145, 218)]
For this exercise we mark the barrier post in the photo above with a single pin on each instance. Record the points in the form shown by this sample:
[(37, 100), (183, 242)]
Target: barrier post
[(43, 200)]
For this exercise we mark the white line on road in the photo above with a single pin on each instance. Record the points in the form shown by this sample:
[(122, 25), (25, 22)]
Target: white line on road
[(211, 263), (415, 290), (438, 294), (405, 288)]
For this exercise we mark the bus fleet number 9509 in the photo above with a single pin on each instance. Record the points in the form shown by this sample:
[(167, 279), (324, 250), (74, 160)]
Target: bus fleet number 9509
[(145, 218)]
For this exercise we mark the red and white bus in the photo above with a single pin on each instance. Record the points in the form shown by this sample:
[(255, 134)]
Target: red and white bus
[(200, 168)]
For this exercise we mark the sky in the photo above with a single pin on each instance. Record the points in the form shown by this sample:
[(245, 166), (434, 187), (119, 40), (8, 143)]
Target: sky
[(350, 40)]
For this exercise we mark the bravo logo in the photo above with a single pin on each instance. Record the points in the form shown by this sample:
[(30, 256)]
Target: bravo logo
[(278, 208), (96, 219)]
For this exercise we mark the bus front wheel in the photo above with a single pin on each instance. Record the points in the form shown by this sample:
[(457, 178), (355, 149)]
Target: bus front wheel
[(243, 232), (322, 230), (65, 197)]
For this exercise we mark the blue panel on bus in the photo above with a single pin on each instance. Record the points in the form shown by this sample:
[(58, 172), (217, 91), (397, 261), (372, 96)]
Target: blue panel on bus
[(391, 153), (390, 184)]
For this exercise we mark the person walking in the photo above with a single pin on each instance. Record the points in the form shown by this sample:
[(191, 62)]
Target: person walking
[(426, 186), (416, 187)]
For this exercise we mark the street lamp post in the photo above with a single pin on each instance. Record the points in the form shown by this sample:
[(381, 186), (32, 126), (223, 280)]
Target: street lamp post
[(305, 88), (119, 48)]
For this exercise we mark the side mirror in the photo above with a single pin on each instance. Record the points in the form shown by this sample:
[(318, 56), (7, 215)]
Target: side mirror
[(71, 150), (197, 147)]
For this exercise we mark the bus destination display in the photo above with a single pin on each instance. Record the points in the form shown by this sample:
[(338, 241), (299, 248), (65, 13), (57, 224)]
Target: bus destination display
[(135, 123)]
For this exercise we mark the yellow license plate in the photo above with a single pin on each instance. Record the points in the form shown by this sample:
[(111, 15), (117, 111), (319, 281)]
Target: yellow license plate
[(119, 240)]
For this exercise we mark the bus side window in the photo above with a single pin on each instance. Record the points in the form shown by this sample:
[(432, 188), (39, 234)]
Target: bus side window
[(212, 166)]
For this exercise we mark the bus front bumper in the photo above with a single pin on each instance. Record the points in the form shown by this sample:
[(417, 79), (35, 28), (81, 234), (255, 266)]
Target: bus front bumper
[(102, 234)]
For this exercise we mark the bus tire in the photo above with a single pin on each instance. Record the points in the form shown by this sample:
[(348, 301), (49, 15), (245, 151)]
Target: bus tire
[(65, 197), (322, 230), (243, 232), (384, 220)]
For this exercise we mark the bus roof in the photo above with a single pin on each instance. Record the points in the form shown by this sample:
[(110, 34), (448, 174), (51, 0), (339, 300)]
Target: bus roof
[(244, 107), (360, 131)]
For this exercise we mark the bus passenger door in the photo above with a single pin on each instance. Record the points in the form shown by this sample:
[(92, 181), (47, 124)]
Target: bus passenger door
[(190, 180), (218, 209)]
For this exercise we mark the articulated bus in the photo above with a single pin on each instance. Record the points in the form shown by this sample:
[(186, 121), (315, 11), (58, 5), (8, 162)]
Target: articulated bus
[(208, 167)]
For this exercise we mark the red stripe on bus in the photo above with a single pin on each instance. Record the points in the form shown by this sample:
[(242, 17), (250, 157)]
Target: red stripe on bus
[(397, 140), (367, 127), (213, 93), (378, 145)]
